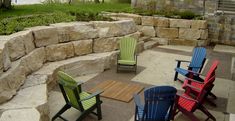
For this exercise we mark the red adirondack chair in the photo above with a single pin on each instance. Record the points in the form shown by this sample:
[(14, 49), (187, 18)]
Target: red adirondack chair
[(206, 83), (188, 103)]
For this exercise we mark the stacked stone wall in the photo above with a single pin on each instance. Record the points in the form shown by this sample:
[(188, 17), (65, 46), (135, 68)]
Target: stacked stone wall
[(30, 59), (167, 30)]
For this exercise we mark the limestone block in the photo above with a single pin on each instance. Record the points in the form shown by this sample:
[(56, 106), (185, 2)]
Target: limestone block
[(5, 62), (190, 34), (161, 41), (148, 21), (202, 42), (83, 47), (35, 79), (148, 31), (162, 22), (145, 39), (110, 58), (15, 46), (86, 65), (11, 81), (34, 60), (181, 23), (199, 24), (135, 35), (115, 28), (140, 47), (204, 34), (31, 97), (59, 51), (63, 31), (28, 39), (136, 18), (167, 32), (74, 31), (105, 44), (150, 44), (82, 31), (44, 35), (183, 42), (30, 114)]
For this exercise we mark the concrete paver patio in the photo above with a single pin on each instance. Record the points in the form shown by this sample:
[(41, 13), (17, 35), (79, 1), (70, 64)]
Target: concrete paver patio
[(156, 67)]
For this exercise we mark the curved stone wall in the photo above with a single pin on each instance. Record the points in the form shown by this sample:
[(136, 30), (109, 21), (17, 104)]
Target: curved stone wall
[(30, 59), (170, 31)]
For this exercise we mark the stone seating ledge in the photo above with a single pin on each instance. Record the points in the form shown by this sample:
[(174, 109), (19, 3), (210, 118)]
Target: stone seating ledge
[(31, 101)]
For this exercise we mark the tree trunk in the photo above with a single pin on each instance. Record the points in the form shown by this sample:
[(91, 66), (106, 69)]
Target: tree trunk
[(97, 1), (0, 3), (6, 4)]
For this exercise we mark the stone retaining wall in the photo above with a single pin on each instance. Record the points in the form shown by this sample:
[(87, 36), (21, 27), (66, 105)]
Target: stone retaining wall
[(42, 51), (167, 30), (197, 6)]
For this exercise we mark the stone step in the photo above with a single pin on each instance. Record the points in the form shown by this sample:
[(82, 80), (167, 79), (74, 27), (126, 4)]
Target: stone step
[(77, 66), (21, 115), (30, 97), (150, 44), (34, 92)]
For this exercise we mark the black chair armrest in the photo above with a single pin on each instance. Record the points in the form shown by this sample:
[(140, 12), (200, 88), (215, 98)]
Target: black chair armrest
[(80, 83), (182, 61)]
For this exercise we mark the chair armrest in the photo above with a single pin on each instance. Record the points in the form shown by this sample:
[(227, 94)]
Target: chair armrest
[(182, 61), (138, 101), (187, 98), (95, 94), (194, 72), (193, 80), (80, 83), (192, 87)]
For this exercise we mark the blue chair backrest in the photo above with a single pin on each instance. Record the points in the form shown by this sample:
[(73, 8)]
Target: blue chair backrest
[(158, 103), (198, 59)]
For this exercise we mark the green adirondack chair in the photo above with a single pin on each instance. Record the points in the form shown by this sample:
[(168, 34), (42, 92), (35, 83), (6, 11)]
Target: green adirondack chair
[(74, 97), (127, 55)]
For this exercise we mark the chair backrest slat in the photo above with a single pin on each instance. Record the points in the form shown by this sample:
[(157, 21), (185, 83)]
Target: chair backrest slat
[(69, 87), (158, 102), (127, 48), (198, 58)]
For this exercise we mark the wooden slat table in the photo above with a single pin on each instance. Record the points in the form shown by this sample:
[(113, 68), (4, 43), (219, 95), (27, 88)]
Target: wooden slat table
[(118, 90)]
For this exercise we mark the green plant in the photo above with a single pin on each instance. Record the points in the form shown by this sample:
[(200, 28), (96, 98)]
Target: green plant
[(15, 24), (187, 15)]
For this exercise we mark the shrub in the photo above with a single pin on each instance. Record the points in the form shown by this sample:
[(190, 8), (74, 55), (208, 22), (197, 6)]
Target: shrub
[(11, 25), (187, 15), (90, 16)]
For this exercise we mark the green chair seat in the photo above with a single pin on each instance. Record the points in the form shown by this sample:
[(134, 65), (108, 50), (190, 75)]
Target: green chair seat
[(126, 62), (88, 103)]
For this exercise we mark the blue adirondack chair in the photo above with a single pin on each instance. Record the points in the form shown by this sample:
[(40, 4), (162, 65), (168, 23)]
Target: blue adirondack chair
[(196, 64), (158, 105)]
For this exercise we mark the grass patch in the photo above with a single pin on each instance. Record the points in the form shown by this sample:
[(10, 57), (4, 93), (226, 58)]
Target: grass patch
[(23, 10), (22, 16)]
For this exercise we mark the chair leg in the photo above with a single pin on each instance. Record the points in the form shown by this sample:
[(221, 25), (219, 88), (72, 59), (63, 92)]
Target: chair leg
[(62, 110), (212, 95), (136, 69), (205, 111), (99, 112), (176, 76), (190, 115), (117, 68)]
